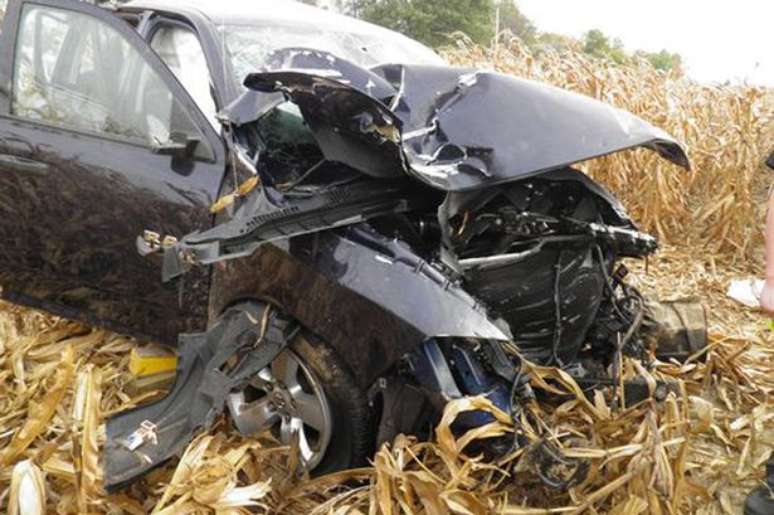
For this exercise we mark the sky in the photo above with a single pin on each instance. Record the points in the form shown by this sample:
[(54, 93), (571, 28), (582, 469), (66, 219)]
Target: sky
[(719, 40)]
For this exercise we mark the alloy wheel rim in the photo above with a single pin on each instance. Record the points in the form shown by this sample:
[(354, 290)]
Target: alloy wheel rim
[(287, 398)]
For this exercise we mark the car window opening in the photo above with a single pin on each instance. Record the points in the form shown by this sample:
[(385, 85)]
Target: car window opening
[(74, 71)]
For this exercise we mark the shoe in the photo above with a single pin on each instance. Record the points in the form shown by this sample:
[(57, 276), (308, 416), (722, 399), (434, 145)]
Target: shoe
[(760, 502)]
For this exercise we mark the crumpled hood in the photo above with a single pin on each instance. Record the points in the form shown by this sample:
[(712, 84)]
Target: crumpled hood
[(453, 128)]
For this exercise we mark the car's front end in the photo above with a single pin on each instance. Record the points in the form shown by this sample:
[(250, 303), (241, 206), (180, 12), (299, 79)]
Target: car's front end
[(424, 222)]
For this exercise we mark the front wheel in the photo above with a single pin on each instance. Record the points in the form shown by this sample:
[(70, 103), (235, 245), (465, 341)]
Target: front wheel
[(307, 391)]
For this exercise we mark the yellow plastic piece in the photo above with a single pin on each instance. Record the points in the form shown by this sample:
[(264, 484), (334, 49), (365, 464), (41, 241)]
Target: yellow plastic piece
[(146, 361)]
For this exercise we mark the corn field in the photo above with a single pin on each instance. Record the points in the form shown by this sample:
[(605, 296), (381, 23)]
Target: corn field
[(727, 131), (699, 451)]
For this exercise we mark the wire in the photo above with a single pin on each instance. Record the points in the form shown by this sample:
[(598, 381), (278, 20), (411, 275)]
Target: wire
[(610, 286), (285, 187), (516, 408), (637, 322), (558, 312)]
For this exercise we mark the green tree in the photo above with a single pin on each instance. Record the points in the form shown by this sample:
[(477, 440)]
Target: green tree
[(513, 20), (430, 21), (663, 60), (597, 44)]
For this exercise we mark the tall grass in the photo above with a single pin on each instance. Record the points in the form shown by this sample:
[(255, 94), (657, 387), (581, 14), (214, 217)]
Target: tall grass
[(726, 129)]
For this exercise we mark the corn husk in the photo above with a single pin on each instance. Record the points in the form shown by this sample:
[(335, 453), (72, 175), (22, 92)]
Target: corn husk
[(243, 189), (28, 492), (41, 411)]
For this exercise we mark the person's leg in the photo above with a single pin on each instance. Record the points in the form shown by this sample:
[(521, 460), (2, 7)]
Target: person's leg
[(767, 295)]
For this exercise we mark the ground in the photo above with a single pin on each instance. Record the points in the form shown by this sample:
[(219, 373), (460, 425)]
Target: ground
[(696, 453)]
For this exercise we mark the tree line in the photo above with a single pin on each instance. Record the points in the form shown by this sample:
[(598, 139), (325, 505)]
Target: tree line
[(433, 22)]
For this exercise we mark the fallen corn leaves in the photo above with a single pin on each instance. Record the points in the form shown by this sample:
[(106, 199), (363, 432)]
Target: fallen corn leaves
[(697, 452)]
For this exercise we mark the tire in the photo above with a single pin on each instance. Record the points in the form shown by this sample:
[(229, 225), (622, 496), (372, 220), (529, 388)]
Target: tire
[(309, 393), (353, 438)]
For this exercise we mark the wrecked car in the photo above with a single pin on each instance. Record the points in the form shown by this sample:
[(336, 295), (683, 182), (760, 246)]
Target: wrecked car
[(338, 231)]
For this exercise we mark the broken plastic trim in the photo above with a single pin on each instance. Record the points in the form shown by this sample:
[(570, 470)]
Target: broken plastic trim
[(142, 438), (259, 220)]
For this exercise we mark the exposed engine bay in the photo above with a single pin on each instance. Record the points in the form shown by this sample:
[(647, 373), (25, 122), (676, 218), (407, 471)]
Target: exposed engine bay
[(444, 200)]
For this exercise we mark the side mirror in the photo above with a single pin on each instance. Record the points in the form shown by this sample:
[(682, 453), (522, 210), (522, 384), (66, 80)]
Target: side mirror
[(179, 146)]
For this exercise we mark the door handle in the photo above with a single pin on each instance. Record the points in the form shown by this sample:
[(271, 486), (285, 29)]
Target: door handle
[(22, 164)]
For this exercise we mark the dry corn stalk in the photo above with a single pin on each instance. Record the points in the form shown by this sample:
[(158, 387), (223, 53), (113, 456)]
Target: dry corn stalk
[(41, 410), (701, 449)]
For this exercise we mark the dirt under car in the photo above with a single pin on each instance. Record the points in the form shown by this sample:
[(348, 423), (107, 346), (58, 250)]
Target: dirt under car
[(388, 232)]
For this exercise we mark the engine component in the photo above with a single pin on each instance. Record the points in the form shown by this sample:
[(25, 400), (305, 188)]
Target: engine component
[(531, 253), (453, 370)]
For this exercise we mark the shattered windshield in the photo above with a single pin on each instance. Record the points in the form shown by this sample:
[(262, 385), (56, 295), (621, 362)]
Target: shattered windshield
[(250, 45)]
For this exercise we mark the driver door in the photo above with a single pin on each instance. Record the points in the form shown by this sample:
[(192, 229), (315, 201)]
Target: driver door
[(98, 142)]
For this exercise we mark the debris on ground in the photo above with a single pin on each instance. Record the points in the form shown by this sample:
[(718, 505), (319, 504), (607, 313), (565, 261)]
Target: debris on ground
[(747, 291), (699, 451)]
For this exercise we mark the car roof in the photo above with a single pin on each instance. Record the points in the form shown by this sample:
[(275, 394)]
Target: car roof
[(251, 12)]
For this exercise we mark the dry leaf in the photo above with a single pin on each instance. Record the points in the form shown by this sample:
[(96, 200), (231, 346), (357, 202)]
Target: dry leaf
[(28, 491), (39, 414)]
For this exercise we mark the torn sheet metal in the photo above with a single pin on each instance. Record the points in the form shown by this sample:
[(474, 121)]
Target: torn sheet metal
[(384, 284), (454, 128), (325, 64), (350, 126), (144, 437), (254, 103)]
